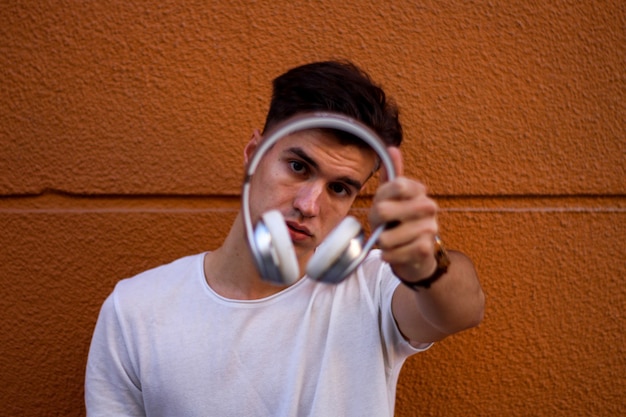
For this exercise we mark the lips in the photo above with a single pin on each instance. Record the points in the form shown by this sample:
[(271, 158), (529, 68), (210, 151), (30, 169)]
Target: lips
[(298, 231)]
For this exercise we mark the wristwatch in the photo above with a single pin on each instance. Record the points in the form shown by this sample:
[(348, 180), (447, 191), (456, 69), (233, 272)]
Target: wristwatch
[(443, 261)]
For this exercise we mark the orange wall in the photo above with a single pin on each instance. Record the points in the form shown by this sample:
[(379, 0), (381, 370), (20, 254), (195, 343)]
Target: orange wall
[(122, 127)]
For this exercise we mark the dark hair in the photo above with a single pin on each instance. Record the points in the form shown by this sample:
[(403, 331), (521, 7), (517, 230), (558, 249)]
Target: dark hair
[(335, 86)]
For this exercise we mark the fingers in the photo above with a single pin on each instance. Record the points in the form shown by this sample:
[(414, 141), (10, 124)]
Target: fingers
[(401, 200), (409, 244), (414, 251), (418, 234), (400, 188)]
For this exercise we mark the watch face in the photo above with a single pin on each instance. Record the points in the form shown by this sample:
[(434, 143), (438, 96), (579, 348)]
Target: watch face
[(441, 255)]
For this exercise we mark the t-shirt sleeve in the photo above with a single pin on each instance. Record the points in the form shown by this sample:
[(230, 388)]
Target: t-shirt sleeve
[(112, 386), (398, 348), (390, 328)]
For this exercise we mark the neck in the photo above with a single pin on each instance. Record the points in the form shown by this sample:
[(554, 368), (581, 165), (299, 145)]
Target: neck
[(230, 270)]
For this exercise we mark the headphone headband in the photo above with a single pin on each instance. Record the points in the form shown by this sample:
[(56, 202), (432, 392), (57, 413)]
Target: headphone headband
[(294, 124)]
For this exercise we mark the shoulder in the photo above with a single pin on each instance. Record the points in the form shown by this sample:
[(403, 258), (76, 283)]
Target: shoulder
[(377, 275), (159, 281), (373, 259), (374, 268)]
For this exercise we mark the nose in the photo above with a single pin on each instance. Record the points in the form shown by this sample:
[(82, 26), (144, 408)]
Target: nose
[(307, 199)]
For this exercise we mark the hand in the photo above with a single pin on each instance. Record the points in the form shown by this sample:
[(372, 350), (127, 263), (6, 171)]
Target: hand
[(408, 246)]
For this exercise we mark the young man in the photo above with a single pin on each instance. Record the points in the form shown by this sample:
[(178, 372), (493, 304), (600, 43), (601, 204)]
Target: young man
[(206, 336)]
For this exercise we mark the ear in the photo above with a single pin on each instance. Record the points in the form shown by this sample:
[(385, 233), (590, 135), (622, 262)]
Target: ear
[(252, 146)]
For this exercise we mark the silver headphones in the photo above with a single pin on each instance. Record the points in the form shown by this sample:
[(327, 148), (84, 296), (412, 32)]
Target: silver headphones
[(343, 249)]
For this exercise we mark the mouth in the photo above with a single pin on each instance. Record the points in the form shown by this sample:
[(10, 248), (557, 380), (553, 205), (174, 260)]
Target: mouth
[(298, 231)]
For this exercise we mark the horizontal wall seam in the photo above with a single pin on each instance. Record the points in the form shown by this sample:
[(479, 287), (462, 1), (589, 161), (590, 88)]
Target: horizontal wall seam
[(357, 210), (69, 203), (538, 210)]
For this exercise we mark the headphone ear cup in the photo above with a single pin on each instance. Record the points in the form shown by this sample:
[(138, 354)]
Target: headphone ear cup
[(335, 244), (283, 254)]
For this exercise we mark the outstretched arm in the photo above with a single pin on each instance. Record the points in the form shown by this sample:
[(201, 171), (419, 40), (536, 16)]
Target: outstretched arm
[(455, 301)]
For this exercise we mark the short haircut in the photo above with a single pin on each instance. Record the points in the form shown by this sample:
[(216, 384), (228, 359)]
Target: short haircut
[(339, 87)]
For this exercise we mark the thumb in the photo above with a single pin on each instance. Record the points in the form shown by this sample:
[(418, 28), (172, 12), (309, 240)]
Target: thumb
[(398, 163)]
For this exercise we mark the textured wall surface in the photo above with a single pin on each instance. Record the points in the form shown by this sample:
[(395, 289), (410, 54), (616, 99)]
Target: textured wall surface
[(122, 126)]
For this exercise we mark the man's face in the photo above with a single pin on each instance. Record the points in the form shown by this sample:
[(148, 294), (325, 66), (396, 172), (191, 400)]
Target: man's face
[(312, 179)]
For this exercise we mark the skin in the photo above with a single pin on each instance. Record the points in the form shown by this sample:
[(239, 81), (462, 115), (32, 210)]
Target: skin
[(314, 180), (453, 303)]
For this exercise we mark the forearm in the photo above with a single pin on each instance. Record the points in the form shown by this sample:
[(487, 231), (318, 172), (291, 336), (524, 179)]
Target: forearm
[(453, 303)]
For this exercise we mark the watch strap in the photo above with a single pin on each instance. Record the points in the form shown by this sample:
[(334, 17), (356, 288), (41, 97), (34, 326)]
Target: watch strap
[(443, 261)]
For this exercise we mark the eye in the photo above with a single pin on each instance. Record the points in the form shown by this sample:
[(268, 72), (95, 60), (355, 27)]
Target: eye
[(297, 167), (340, 189)]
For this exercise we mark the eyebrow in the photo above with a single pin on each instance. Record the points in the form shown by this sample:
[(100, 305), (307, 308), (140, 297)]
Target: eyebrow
[(306, 158)]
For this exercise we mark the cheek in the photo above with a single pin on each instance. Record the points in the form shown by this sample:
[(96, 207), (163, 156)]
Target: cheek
[(269, 189), (335, 215), (272, 173)]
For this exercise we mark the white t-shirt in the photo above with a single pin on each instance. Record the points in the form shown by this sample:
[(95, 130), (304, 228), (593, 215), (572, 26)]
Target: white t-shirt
[(167, 345)]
